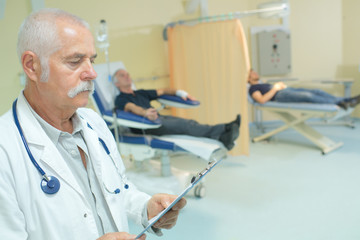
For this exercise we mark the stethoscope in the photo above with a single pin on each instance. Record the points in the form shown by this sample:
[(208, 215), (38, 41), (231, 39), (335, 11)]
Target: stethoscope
[(50, 184)]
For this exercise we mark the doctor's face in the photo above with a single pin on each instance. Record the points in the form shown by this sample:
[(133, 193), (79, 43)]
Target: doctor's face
[(70, 68)]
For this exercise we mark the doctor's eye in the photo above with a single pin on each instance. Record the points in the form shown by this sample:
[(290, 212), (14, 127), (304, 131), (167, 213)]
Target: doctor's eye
[(74, 63)]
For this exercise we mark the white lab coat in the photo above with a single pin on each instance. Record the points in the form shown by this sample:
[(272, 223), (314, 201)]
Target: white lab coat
[(26, 212)]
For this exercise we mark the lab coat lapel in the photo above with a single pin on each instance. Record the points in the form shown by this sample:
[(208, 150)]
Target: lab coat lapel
[(42, 147), (94, 148), (104, 170)]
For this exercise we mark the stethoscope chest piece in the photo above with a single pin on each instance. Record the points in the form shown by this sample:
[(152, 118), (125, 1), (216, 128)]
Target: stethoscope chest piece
[(50, 187)]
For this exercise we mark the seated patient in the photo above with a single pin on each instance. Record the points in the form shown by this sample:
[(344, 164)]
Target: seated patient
[(138, 102), (279, 92)]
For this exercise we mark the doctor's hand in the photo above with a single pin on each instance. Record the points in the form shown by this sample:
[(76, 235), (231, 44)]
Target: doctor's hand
[(120, 236), (151, 114), (158, 203)]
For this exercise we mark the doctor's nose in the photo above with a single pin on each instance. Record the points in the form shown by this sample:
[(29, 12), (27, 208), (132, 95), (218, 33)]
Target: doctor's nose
[(88, 72)]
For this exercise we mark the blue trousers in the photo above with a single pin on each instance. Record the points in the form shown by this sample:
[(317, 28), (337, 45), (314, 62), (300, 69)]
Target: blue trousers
[(306, 96)]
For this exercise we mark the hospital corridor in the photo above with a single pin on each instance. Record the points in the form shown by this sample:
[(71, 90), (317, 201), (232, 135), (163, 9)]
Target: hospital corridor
[(182, 119)]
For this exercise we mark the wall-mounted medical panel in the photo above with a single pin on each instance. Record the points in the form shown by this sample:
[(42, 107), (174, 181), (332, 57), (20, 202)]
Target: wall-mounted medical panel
[(273, 55)]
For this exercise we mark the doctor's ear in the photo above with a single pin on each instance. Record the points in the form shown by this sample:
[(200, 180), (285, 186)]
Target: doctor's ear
[(31, 65)]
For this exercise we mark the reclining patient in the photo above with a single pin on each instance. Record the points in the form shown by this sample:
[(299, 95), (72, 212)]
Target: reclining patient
[(138, 102), (279, 92)]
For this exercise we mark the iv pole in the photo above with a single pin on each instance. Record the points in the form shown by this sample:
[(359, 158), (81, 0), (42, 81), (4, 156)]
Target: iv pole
[(102, 41)]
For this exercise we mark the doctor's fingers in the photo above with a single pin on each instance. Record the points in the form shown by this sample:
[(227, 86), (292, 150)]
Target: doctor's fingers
[(180, 204), (168, 220)]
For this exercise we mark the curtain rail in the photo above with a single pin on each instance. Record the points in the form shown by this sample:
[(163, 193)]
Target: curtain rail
[(222, 17)]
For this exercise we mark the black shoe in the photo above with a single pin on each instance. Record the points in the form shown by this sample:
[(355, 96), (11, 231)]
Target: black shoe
[(236, 121), (344, 104), (354, 101), (229, 136)]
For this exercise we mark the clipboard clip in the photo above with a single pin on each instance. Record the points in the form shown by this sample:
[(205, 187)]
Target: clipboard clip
[(202, 173)]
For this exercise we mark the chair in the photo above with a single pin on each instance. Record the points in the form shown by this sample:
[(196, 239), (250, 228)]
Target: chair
[(295, 115), (144, 147)]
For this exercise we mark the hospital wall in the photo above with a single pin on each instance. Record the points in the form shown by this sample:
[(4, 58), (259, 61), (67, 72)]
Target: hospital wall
[(324, 40)]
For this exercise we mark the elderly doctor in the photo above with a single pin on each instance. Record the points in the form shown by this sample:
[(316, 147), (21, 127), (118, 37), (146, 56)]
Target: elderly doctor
[(70, 183)]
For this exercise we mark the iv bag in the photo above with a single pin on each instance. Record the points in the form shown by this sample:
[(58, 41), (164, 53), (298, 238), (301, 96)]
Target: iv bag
[(102, 40)]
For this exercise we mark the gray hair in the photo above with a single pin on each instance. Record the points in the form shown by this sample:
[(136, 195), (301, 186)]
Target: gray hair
[(38, 33), (113, 77)]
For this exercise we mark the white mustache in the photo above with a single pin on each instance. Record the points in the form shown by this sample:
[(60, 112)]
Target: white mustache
[(82, 87)]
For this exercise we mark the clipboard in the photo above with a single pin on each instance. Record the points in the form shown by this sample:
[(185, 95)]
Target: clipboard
[(195, 180)]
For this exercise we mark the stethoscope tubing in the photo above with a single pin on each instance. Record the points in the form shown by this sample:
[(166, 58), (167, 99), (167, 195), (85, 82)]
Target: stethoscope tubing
[(17, 123)]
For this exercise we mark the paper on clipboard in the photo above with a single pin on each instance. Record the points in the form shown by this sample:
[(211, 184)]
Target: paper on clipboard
[(195, 180)]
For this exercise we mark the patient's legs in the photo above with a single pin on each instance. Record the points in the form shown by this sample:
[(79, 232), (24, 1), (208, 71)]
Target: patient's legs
[(176, 125), (306, 95), (226, 133)]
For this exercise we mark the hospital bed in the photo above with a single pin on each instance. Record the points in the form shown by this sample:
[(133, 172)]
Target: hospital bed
[(150, 176), (295, 115)]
